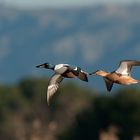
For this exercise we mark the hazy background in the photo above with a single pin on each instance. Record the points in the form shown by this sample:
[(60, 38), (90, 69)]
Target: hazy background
[(62, 3), (91, 34)]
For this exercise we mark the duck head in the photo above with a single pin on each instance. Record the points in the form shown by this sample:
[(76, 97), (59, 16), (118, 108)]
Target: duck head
[(99, 72), (46, 65)]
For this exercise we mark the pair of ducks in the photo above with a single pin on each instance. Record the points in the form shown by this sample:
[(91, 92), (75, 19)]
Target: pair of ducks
[(120, 76)]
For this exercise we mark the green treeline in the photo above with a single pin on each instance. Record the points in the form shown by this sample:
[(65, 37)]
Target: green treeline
[(75, 113)]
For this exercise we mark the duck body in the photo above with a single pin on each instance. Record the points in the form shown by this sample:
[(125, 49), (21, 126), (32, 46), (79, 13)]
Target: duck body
[(120, 76), (61, 71), (66, 70), (121, 79)]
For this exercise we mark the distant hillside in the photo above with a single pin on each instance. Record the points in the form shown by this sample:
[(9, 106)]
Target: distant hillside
[(92, 37)]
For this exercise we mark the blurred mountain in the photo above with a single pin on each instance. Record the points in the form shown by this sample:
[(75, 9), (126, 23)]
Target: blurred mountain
[(93, 37)]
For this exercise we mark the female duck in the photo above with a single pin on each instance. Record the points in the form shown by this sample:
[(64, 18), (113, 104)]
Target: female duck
[(121, 76), (61, 71)]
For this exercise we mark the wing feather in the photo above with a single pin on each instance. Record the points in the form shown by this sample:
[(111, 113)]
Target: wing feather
[(83, 76), (109, 84), (125, 66), (53, 86)]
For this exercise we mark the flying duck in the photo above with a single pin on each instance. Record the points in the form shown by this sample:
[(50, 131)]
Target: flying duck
[(120, 76), (61, 71)]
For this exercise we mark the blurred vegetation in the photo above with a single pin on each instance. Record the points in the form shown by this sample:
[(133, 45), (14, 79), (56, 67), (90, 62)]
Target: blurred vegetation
[(75, 113)]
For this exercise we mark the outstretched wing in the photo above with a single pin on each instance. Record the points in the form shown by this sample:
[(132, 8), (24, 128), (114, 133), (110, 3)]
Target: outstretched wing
[(109, 84), (83, 76), (53, 86), (125, 66)]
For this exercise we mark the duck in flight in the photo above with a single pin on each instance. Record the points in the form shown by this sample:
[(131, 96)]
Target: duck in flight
[(61, 71), (120, 76)]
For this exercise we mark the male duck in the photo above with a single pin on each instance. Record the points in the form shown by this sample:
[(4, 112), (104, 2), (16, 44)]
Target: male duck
[(61, 71), (120, 76)]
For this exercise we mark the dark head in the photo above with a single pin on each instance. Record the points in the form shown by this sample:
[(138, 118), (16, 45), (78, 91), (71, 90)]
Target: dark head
[(46, 65)]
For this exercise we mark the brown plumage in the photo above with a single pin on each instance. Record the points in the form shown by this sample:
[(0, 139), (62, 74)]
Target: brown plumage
[(121, 76)]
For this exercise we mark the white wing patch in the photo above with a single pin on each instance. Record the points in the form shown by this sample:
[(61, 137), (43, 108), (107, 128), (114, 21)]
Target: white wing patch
[(123, 72), (75, 68), (123, 69), (59, 66), (84, 72)]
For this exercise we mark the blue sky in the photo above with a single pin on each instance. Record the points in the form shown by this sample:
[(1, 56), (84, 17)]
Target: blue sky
[(59, 3)]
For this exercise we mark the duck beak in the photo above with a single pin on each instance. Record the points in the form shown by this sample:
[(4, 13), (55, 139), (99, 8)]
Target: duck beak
[(93, 73), (40, 66)]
